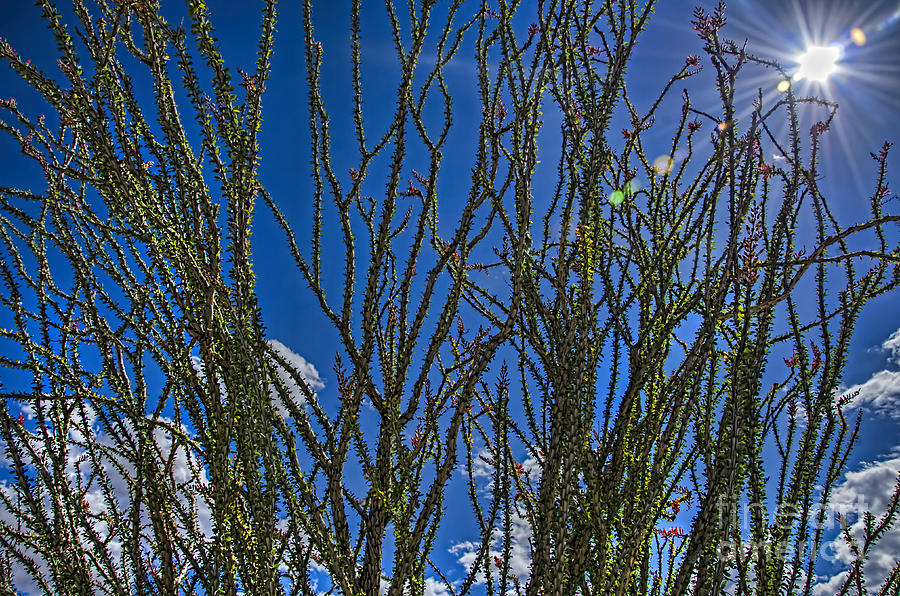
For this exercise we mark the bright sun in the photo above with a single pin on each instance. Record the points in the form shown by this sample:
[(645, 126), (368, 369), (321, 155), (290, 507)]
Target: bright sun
[(818, 63)]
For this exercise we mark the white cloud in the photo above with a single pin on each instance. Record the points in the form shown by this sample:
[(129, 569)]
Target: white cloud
[(435, 588), (520, 529), (300, 367), (305, 369), (520, 551), (830, 587), (881, 392), (866, 490), (533, 469), (20, 577), (483, 466), (892, 345), (186, 469)]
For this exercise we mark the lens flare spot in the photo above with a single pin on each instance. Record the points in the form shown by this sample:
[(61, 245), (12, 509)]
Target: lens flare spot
[(632, 186), (616, 198), (723, 125), (858, 36), (663, 164), (784, 86), (818, 63)]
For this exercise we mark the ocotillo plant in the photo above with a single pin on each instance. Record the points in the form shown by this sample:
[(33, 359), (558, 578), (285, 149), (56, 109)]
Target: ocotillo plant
[(171, 448), (680, 292)]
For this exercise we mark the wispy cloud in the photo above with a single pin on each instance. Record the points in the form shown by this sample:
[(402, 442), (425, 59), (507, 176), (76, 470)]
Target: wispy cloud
[(867, 489), (187, 471), (305, 369), (435, 588), (881, 392), (300, 367), (466, 552), (892, 346), (520, 551)]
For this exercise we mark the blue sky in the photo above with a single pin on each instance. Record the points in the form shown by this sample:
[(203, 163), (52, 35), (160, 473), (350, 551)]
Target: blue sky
[(864, 86)]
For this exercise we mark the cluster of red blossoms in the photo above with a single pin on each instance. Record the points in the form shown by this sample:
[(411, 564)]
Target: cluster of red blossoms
[(412, 191), (816, 361), (708, 24)]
